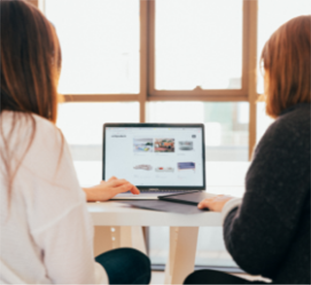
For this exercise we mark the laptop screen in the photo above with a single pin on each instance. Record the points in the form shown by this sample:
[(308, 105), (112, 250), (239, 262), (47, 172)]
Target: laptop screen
[(155, 155)]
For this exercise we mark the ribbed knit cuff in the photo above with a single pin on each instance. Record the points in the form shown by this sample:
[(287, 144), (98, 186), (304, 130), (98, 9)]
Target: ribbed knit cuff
[(229, 206)]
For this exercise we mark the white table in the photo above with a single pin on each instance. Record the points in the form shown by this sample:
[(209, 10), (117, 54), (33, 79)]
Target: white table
[(119, 225)]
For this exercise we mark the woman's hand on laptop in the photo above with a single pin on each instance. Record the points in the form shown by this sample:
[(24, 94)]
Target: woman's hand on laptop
[(215, 203), (108, 189)]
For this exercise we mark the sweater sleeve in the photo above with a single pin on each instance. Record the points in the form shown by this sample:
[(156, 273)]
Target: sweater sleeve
[(259, 232), (229, 206)]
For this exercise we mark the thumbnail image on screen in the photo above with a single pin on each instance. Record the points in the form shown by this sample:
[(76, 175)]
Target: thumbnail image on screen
[(164, 145), (143, 145)]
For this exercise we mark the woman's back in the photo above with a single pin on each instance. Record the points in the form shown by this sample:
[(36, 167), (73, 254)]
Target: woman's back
[(44, 214), (270, 233)]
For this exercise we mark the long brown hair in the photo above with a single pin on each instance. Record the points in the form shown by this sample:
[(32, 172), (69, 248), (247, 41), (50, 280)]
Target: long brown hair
[(30, 68), (286, 59)]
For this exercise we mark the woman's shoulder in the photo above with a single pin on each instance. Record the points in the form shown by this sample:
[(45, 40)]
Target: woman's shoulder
[(36, 142), (296, 118), (289, 133), (46, 180), (23, 124), (49, 149), (47, 134), (293, 124), (43, 153)]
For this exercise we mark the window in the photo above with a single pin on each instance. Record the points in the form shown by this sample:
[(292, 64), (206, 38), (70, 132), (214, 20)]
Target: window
[(226, 125), (191, 44), (100, 45)]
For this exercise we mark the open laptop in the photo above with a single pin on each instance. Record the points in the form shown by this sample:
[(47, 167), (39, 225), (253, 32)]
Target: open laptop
[(160, 159)]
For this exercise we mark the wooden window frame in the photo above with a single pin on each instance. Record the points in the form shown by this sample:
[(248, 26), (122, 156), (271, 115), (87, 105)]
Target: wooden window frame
[(197, 94), (247, 93)]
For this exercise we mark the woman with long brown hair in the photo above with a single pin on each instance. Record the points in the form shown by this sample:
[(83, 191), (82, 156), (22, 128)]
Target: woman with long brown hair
[(46, 231), (267, 232)]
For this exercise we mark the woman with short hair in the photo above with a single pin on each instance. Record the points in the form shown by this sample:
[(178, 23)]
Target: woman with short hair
[(267, 232), (46, 230)]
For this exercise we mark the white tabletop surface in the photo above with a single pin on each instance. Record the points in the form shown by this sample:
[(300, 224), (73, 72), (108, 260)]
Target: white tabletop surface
[(222, 178), (117, 214)]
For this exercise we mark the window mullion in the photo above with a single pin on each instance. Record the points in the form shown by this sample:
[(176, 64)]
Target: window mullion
[(250, 29), (143, 60)]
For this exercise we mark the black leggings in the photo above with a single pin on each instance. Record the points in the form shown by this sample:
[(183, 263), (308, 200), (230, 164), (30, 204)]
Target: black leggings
[(126, 266), (216, 277)]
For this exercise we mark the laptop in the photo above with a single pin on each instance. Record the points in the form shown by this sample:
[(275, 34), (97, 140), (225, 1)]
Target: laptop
[(159, 159)]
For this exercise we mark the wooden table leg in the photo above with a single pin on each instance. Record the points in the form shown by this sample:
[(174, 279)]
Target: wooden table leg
[(107, 238), (133, 237), (102, 239), (183, 244)]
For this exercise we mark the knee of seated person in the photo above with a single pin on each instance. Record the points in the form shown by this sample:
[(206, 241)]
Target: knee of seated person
[(136, 257), (190, 278), (129, 257), (142, 263), (206, 276)]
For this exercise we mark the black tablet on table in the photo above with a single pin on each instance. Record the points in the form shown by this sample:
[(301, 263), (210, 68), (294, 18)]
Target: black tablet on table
[(192, 198)]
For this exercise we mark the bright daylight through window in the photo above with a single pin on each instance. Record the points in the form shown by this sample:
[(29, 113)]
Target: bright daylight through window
[(100, 45), (198, 44)]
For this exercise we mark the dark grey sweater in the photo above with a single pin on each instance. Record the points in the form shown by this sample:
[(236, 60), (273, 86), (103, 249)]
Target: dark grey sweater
[(269, 234)]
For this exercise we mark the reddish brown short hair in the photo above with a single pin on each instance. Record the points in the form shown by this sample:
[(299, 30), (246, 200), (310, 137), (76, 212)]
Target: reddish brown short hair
[(286, 58)]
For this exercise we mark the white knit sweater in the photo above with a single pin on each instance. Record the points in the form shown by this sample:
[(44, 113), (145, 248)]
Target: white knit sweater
[(46, 231)]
